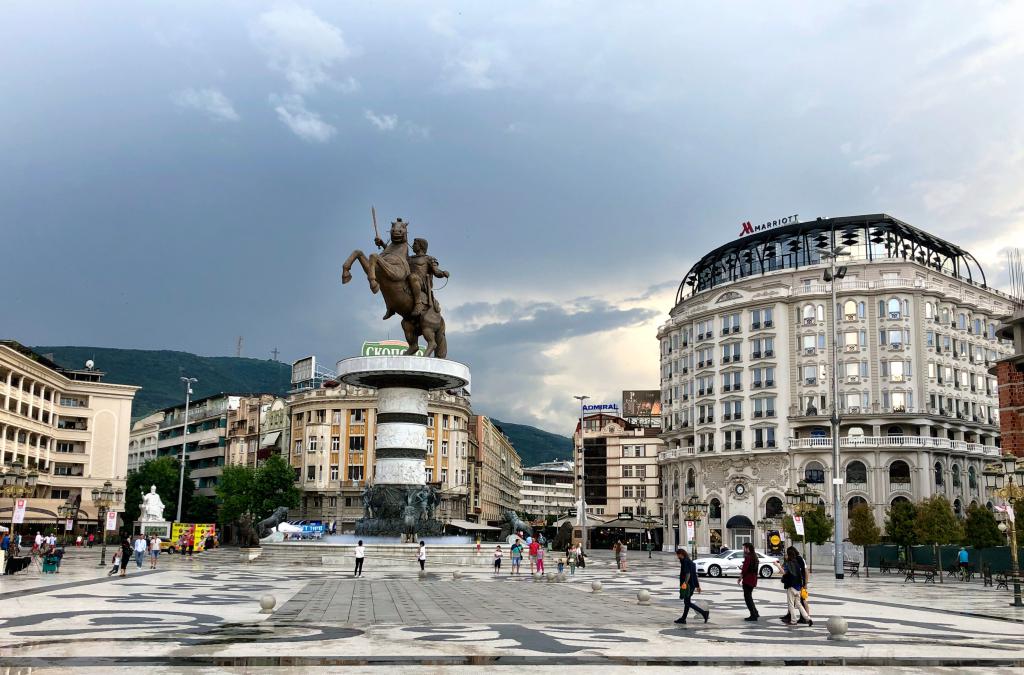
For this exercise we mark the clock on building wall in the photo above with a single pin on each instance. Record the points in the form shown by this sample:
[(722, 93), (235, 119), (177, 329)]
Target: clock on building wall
[(740, 489)]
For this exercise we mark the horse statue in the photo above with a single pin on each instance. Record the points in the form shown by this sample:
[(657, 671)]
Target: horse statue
[(514, 525), (406, 282), (279, 515)]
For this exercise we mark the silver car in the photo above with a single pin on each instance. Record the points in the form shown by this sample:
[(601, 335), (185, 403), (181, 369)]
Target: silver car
[(729, 563)]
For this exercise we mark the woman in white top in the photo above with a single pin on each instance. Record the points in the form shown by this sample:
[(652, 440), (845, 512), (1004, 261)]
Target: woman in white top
[(360, 554), (497, 559), (421, 555), (154, 551)]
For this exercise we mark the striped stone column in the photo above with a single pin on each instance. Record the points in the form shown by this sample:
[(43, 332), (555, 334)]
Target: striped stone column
[(401, 436)]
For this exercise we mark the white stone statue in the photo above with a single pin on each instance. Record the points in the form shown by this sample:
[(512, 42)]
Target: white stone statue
[(152, 509)]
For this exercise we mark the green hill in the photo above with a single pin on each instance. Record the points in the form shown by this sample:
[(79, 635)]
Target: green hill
[(536, 445), (158, 373)]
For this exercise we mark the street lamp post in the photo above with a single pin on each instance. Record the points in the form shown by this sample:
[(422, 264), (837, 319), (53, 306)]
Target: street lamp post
[(66, 511), (695, 510), (188, 382), (17, 484), (802, 500), (999, 479), (581, 518), (105, 499), (832, 275)]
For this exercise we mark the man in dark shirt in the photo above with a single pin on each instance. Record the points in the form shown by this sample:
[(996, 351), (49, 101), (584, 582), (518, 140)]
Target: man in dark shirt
[(689, 583)]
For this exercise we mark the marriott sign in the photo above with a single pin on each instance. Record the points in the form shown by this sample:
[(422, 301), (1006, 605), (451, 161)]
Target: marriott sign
[(749, 228)]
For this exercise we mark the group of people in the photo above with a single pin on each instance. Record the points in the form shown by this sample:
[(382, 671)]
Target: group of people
[(135, 547), (619, 549), (794, 580)]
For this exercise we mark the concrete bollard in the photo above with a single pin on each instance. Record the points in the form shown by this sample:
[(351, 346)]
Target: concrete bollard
[(562, 577), (595, 586), (267, 603), (837, 627), (643, 597), (550, 577), (456, 575)]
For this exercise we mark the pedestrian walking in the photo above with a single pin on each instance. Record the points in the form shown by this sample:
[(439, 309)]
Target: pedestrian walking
[(581, 557), (360, 556), (689, 583), (139, 547), (540, 560), (517, 555), (748, 579), (570, 558), (617, 550), (421, 555), (78, 541), (624, 566), (497, 559), (37, 543), (91, 535), (534, 548), (127, 548), (155, 543), (191, 542), (794, 580)]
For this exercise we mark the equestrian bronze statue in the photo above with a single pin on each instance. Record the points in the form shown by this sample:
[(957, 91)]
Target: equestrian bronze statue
[(407, 284)]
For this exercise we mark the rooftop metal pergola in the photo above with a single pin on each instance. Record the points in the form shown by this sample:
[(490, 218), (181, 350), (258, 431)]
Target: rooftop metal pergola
[(868, 237)]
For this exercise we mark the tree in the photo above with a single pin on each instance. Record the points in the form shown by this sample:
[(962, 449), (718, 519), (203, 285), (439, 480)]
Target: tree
[(936, 524), (817, 529), (981, 530), (864, 531), (202, 510), (899, 525), (235, 490), (274, 486), (163, 473)]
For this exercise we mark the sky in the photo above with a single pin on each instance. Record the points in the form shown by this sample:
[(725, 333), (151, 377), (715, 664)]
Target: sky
[(176, 175)]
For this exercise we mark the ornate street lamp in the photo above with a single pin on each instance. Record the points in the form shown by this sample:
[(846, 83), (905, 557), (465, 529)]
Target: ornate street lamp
[(695, 510), (17, 484), (105, 499), (999, 479)]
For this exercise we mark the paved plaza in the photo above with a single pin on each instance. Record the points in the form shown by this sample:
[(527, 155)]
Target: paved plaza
[(205, 612)]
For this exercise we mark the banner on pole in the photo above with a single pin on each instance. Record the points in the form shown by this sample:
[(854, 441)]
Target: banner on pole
[(798, 523), (111, 521), (20, 505), (691, 530), (69, 525), (1007, 509)]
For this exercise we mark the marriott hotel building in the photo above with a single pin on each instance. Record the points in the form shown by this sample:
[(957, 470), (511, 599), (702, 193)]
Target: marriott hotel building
[(746, 375)]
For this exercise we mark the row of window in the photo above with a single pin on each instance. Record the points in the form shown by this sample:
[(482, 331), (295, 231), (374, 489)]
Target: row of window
[(732, 439)]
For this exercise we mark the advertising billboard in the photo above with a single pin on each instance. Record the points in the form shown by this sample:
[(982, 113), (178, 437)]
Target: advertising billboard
[(303, 369), (386, 348), (642, 407), (200, 531)]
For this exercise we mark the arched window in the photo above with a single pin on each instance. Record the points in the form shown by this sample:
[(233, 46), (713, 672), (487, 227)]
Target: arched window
[(850, 309), (929, 310), (808, 313), (675, 483), (896, 500), (773, 508), (961, 321), (939, 480), (691, 480), (814, 473), (988, 505), (972, 478), (954, 473), (819, 432), (715, 509), (820, 313), (958, 508), (894, 308), (856, 472), (899, 472), (945, 315), (852, 504), (894, 430), (862, 309)]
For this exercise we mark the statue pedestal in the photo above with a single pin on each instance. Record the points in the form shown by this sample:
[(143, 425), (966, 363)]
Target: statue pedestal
[(399, 500), (160, 528)]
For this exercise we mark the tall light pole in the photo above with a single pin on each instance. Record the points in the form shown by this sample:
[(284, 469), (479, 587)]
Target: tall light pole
[(17, 483), (999, 481), (188, 382), (833, 275), (106, 499), (581, 516)]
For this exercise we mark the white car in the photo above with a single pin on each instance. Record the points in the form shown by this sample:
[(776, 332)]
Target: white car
[(730, 563)]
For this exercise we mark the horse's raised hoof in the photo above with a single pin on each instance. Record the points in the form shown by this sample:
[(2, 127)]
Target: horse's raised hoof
[(346, 277), (374, 286)]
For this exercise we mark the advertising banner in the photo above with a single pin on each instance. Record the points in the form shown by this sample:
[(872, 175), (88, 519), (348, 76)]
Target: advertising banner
[(303, 369), (642, 407), (386, 348), (798, 523), (19, 510), (69, 525), (199, 531), (111, 521), (774, 543), (691, 530)]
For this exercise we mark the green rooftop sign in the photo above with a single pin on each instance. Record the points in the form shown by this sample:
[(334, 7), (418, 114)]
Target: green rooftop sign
[(387, 348)]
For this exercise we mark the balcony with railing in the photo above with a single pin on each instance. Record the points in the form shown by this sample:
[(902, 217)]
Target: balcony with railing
[(895, 442)]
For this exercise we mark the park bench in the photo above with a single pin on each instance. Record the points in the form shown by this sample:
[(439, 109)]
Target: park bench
[(888, 566), (852, 566), (986, 575), (954, 571), (1002, 580), (928, 571)]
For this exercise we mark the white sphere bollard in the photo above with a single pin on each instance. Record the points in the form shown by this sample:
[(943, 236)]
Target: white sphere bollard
[(595, 586), (643, 597), (456, 575), (267, 603), (562, 577), (837, 627)]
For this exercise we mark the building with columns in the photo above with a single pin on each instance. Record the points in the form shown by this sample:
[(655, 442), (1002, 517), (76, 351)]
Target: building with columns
[(332, 433), (67, 425), (257, 429), (497, 473), (746, 367), (142, 442)]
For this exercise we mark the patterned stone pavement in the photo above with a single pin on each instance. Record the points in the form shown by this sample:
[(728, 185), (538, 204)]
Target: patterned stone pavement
[(205, 612)]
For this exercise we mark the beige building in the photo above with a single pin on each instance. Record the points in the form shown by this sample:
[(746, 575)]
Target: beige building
[(548, 489), (620, 466), (746, 372), (142, 443), (257, 429), (206, 438), (67, 425), (332, 433), (497, 473)]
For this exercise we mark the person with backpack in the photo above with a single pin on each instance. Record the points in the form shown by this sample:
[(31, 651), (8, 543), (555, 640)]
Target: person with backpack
[(517, 555), (794, 580)]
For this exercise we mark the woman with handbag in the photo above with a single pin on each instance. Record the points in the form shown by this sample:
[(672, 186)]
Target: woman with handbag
[(794, 580), (689, 583), (748, 579)]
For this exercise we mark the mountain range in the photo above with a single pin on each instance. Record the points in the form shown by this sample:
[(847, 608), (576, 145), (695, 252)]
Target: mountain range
[(158, 372)]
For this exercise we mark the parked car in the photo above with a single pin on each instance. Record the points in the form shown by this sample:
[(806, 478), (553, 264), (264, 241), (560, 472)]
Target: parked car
[(729, 563)]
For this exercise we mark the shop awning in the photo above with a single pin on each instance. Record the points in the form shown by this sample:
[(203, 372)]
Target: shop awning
[(740, 522), (270, 439), (466, 525)]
